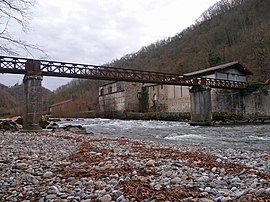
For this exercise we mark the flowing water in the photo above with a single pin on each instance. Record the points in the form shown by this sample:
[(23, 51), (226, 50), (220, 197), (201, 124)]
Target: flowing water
[(251, 137)]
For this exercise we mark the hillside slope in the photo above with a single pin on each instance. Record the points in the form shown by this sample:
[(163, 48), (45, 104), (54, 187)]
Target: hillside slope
[(224, 33), (83, 93), (7, 103), (227, 31), (12, 98)]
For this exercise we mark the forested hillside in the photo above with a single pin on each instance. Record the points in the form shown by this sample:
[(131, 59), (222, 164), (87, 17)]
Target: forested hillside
[(83, 93), (11, 99), (7, 102), (227, 31)]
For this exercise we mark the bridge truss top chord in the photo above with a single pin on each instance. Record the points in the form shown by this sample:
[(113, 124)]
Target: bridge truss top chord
[(15, 65)]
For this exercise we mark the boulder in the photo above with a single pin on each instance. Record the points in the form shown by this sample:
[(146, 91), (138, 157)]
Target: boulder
[(9, 125), (75, 128)]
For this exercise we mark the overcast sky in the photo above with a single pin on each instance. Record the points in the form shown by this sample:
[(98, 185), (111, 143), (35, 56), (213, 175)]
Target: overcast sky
[(98, 31)]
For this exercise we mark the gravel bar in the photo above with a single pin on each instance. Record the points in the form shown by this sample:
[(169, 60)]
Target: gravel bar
[(64, 166)]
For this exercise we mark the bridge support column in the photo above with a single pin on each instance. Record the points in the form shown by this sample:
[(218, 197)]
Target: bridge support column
[(32, 113), (201, 108)]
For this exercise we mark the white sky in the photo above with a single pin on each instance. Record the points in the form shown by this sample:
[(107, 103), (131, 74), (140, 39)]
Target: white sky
[(98, 31)]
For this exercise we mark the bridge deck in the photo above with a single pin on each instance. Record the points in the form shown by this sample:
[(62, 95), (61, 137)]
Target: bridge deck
[(15, 65)]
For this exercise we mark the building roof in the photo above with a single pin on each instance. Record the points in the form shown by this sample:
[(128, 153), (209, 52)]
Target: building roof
[(212, 70)]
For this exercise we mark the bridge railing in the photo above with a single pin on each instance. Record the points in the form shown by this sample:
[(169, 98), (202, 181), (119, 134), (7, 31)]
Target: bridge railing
[(65, 69), (223, 83), (12, 65)]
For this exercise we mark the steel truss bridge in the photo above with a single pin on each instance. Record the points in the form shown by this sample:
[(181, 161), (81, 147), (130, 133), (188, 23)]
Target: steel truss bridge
[(16, 65)]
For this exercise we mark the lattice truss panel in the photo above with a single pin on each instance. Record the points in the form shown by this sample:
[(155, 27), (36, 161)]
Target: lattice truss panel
[(64, 69)]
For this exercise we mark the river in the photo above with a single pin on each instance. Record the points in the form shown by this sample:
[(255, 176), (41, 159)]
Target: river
[(249, 137)]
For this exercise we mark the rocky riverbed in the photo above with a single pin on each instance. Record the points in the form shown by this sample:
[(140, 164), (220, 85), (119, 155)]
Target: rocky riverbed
[(64, 166)]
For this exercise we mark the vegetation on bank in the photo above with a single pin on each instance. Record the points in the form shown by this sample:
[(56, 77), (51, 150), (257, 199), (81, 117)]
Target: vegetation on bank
[(254, 86)]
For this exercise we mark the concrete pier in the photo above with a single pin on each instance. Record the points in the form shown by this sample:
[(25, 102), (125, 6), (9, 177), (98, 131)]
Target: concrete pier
[(32, 114), (200, 103)]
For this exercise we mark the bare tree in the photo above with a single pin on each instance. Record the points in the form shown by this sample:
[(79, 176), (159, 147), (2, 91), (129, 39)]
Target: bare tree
[(220, 7), (14, 14)]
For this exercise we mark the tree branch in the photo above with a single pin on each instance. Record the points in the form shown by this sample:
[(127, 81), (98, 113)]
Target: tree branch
[(15, 11)]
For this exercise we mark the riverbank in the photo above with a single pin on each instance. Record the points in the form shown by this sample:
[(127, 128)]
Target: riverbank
[(219, 118), (64, 166)]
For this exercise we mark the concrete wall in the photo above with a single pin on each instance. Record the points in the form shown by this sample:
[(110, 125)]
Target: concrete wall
[(178, 99), (112, 102), (119, 97), (179, 105), (227, 101), (132, 103), (233, 104), (111, 97), (257, 105), (200, 104), (161, 92), (170, 98), (226, 104)]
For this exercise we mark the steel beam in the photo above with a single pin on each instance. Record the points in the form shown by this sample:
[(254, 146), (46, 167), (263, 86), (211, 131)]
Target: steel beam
[(15, 65)]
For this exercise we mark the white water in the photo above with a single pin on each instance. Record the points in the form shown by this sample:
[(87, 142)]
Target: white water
[(243, 136)]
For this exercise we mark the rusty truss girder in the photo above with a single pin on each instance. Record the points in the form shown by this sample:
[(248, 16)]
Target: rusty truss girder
[(12, 65), (15, 65)]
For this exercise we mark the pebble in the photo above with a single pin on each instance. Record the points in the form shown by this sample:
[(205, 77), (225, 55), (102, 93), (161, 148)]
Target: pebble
[(21, 166), (105, 198), (260, 191), (207, 189), (51, 196), (70, 179), (53, 190), (116, 194), (205, 200), (203, 179), (176, 180), (150, 163), (32, 164), (78, 184), (214, 170), (121, 199), (226, 199), (48, 174)]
